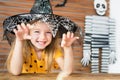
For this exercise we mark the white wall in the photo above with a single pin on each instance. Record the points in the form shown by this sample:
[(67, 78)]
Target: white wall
[(115, 13)]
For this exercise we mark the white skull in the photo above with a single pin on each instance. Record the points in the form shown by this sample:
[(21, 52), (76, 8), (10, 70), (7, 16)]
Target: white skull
[(100, 6)]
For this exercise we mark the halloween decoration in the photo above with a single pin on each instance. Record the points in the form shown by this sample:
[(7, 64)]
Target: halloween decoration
[(61, 4), (99, 40), (100, 6), (41, 10)]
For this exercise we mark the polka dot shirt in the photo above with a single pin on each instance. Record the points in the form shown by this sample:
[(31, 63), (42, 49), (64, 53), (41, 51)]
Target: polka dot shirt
[(34, 65)]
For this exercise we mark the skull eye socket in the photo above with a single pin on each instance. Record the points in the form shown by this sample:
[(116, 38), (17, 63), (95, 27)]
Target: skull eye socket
[(103, 6), (98, 5)]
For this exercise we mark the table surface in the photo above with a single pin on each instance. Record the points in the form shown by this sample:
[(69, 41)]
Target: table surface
[(52, 76)]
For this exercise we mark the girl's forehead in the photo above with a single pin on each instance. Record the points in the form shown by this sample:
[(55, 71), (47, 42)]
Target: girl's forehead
[(40, 25)]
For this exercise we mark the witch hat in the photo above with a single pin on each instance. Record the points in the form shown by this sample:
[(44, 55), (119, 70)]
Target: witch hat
[(41, 10)]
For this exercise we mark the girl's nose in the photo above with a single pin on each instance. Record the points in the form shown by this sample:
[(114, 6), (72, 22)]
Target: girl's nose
[(42, 36)]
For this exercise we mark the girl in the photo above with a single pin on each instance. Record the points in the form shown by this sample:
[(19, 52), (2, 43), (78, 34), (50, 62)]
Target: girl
[(35, 49)]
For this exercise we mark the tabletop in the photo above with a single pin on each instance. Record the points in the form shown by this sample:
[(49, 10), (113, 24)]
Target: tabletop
[(52, 76)]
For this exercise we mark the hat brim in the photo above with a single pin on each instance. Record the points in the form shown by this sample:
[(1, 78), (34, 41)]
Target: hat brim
[(61, 24)]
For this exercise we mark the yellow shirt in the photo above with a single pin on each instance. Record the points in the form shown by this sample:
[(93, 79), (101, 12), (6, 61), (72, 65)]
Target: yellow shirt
[(34, 65)]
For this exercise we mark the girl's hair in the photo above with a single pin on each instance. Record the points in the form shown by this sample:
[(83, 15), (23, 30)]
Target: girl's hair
[(27, 45)]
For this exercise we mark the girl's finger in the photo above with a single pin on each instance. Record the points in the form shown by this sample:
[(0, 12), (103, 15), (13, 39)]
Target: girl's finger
[(24, 27), (15, 31), (29, 26), (72, 35), (64, 36), (75, 38), (68, 34), (19, 28)]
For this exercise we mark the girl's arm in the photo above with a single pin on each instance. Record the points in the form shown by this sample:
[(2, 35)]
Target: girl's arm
[(17, 58), (66, 63), (16, 62), (68, 60)]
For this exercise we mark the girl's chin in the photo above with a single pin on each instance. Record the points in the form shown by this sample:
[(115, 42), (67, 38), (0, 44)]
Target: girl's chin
[(40, 48)]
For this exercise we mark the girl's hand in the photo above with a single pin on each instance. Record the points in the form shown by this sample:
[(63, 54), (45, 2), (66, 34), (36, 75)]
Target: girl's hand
[(22, 32), (68, 39), (62, 76)]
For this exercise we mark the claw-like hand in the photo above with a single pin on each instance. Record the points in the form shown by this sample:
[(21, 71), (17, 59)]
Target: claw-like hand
[(22, 32), (68, 39), (86, 58), (112, 57)]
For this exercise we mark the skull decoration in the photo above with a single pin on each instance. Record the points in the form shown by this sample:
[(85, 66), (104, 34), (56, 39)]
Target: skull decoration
[(100, 7)]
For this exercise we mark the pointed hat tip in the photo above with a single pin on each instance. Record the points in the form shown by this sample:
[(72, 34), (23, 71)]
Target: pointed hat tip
[(41, 6)]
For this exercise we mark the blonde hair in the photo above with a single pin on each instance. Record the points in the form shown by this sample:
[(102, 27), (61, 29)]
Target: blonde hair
[(49, 50)]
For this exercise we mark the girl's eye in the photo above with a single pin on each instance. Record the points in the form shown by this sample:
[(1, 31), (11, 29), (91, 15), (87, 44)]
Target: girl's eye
[(36, 32), (48, 32)]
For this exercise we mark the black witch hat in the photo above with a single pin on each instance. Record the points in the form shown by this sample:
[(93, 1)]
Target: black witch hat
[(41, 10)]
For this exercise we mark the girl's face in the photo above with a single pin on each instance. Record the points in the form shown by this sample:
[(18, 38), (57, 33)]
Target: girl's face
[(41, 35)]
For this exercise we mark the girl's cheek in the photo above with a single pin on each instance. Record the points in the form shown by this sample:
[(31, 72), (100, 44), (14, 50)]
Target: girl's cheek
[(33, 36), (49, 36)]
